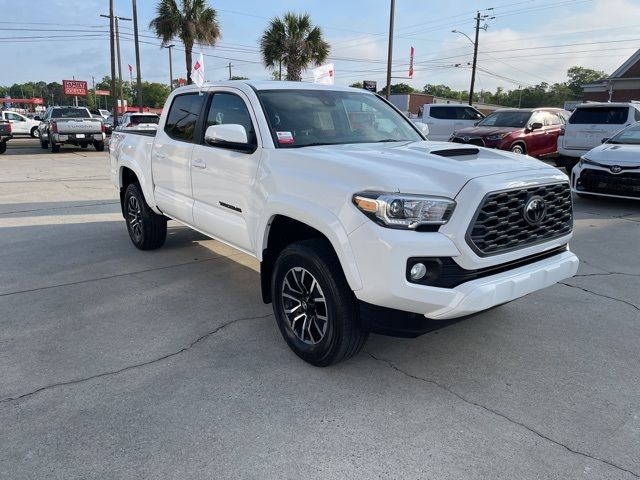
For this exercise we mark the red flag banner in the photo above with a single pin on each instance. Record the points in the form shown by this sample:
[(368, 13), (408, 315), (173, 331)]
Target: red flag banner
[(130, 69)]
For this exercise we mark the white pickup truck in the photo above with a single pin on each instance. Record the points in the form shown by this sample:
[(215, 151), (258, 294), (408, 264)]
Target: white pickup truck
[(357, 221)]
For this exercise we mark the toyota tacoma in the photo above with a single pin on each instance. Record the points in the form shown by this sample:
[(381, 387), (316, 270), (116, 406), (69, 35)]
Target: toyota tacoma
[(351, 213)]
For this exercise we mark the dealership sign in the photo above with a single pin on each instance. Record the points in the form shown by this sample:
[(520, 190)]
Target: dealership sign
[(370, 85), (76, 88), (104, 93)]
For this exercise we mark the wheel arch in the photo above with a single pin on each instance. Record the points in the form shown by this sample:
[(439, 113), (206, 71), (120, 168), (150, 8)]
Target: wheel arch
[(282, 229)]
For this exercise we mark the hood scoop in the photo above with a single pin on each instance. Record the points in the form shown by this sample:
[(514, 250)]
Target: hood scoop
[(456, 152)]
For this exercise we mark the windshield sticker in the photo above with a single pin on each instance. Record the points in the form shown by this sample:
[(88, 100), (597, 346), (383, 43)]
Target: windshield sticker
[(285, 137)]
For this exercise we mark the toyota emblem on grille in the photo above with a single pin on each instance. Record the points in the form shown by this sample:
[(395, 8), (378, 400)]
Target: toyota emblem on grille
[(616, 169), (466, 139), (534, 210)]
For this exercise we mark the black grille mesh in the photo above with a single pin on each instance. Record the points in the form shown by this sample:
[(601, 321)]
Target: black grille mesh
[(625, 183), (499, 225)]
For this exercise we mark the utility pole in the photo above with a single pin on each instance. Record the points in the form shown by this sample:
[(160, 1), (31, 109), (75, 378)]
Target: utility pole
[(95, 97), (135, 37), (169, 47), (114, 95), (475, 59), (229, 70), (390, 51), (119, 64)]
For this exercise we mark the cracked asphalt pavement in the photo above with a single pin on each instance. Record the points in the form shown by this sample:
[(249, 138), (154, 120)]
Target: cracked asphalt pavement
[(117, 363)]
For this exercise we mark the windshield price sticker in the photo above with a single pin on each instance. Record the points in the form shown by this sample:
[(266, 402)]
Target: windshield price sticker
[(285, 137)]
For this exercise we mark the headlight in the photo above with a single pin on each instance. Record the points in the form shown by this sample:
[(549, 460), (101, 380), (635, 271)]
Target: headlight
[(499, 136), (586, 161), (395, 210)]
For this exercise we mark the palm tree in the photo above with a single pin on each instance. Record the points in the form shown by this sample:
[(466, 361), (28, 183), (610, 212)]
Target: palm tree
[(293, 42), (193, 21)]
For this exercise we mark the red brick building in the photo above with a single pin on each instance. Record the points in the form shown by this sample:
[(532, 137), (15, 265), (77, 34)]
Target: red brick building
[(622, 85)]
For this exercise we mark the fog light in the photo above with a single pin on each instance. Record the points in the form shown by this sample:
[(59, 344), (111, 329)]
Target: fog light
[(418, 271)]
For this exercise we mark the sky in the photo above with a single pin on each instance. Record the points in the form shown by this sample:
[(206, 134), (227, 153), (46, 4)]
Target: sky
[(523, 42)]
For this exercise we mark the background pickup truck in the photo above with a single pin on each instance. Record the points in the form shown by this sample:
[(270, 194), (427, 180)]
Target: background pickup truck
[(357, 221), (73, 125), (5, 135)]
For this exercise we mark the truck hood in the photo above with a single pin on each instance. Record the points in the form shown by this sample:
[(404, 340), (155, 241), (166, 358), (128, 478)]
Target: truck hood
[(484, 131), (412, 167), (612, 154)]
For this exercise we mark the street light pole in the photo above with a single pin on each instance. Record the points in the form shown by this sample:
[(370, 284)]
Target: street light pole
[(390, 50), (120, 59), (169, 47), (135, 36), (114, 95)]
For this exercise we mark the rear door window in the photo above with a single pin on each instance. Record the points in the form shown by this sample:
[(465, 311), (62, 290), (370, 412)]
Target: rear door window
[(443, 113), (183, 116), (468, 113), (600, 115)]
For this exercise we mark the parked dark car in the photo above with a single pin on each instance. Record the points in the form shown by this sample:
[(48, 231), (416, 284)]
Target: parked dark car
[(109, 127), (531, 131), (5, 135)]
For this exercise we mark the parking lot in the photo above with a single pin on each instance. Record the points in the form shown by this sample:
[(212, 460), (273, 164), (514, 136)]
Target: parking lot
[(118, 363)]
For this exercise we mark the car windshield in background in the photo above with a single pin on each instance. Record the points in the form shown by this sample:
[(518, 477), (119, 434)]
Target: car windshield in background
[(70, 113), (299, 118), (628, 136), (600, 115), (138, 119), (506, 119)]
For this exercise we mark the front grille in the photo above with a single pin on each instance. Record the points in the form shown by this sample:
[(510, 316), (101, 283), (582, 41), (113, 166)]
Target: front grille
[(471, 141), (500, 226), (599, 181)]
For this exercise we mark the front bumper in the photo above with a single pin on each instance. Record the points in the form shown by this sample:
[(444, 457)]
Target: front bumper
[(596, 180)]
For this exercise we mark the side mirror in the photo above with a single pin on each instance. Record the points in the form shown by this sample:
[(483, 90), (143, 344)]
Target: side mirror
[(37, 118), (535, 126), (231, 135), (423, 127), (605, 140)]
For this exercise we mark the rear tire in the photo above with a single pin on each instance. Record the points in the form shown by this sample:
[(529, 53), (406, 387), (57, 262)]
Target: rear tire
[(44, 144), (146, 228), (35, 133), (307, 278), (3, 147), (55, 148), (84, 145), (99, 146)]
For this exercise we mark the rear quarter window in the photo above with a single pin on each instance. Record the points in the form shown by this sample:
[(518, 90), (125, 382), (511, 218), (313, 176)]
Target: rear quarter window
[(443, 113), (183, 116), (600, 115)]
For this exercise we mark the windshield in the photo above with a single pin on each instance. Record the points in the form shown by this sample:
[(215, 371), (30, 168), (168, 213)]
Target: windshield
[(70, 113), (506, 119), (299, 118), (628, 136)]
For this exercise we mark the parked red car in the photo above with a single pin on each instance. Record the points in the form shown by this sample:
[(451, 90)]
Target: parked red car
[(531, 131)]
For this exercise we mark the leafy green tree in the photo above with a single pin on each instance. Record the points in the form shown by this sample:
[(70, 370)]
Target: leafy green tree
[(293, 42), (154, 94), (578, 76), (398, 88), (192, 22), (356, 85), (234, 77)]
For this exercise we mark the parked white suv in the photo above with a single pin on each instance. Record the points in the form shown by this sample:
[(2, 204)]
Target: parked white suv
[(589, 124), (20, 124), (353, 216), (443, 119), (138, 121)]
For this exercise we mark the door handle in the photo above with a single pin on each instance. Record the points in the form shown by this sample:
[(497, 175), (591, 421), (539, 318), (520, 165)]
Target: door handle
[(161, 156), (199, 163)]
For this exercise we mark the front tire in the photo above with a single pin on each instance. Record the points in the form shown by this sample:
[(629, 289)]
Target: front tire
[(518, 148), (315, 309), (146, 228)]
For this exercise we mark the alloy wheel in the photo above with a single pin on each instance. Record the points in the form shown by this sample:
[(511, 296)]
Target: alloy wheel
[(304, 305), (134, 215)]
